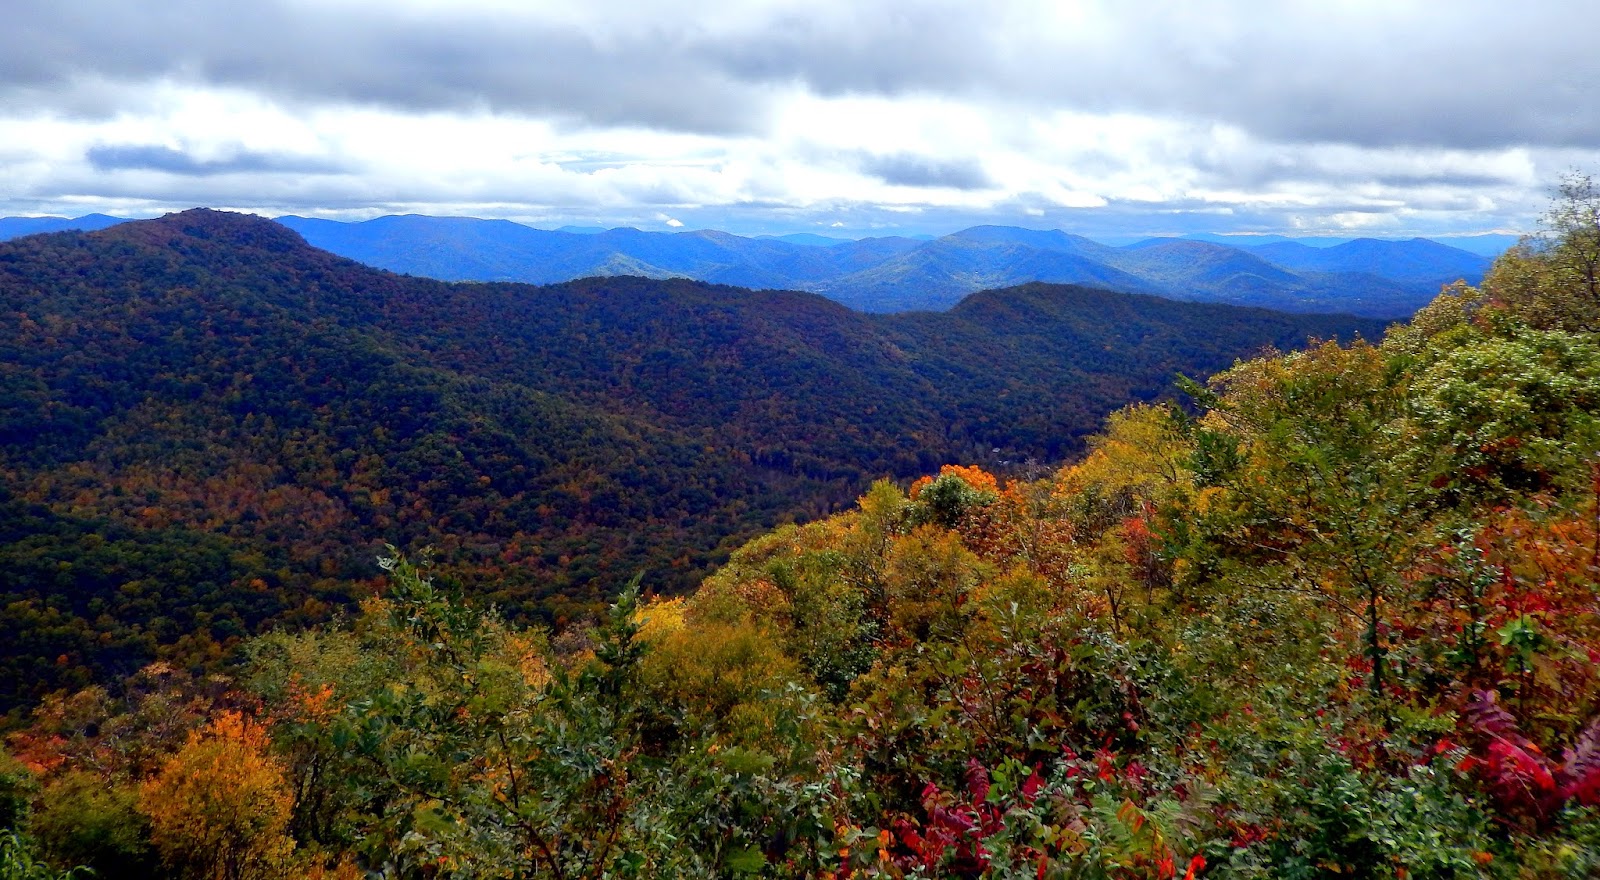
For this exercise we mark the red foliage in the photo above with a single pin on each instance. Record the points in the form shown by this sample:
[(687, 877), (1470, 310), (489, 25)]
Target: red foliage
[(951, 837), (1527, 785), (977, 781)]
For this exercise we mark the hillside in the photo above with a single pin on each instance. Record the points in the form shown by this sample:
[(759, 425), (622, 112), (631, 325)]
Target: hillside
[(209, 381), (1337, 620), (1382, 279)]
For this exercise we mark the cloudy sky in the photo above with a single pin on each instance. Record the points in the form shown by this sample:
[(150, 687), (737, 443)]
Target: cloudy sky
[(844, 117)]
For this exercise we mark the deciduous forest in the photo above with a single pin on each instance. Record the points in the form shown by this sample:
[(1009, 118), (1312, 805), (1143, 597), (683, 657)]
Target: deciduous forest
[(209, 429), (1333, 616)]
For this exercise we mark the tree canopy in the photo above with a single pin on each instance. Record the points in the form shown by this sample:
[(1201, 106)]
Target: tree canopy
[(1338, 618)]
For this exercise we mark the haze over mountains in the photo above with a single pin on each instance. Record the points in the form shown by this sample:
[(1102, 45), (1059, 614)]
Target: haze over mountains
[(13, 227), (1375, 279), (1369, 277), (207, 424)]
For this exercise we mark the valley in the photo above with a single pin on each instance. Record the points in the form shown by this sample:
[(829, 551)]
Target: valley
[(212, 427)]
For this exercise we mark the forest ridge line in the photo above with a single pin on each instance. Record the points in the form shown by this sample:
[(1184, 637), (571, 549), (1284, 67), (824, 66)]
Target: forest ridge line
[(1338, 618), (1384, 279), (211, 427)]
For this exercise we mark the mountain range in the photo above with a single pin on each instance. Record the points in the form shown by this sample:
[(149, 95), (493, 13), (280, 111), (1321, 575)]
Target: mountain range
[(893, 274), (13, 227), (208, 426), (1381, 279)]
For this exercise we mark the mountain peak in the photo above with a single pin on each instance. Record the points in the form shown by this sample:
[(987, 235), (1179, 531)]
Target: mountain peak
[(207, 224)]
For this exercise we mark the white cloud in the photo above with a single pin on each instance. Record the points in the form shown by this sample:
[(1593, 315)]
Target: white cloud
[(783, 114)]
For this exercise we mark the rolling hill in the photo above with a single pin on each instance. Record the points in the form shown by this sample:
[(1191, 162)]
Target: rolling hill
[(903, 274), (13, 227), (1418, 260), (210, 427), (1383, 279)]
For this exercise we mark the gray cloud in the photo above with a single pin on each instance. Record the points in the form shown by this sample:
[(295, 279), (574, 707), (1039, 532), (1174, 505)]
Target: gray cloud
[(905, 169), (1478, 74), (884, 49), (121, 157), (1443, 177), (323, 54), (1313, 110)]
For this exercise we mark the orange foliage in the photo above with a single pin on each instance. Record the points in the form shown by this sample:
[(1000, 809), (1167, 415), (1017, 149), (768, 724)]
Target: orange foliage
[(42, 754), (972, 475), (344, 870), (219, 808), (314, 705)]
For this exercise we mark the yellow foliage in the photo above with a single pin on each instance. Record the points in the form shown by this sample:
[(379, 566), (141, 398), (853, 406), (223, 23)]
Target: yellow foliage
[(660, 618), (1454, 307), (883, 511), (729, 601), (1140, 452), (929, 578), (1539, 288), (883, 506), (218, 809), (1255, 393), (524, 651), (1021, 587), (344, 870), (721, 671), (1208, 499), (743, 585)]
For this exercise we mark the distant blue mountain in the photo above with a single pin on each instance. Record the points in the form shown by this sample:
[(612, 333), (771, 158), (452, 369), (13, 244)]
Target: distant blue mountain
[(13, 227), (805, 238), (467, 249), (1248, 240), (1374, 279), (1183, 262), (1203, 270), (582, 230), (1384, 279), (1417, 260), (1043, 239), (1489, 244), (935, 275), (1484, 245), (447, 248)]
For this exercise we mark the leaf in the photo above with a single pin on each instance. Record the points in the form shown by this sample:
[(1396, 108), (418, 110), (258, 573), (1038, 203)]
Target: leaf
[(749, 860), (745, 761), (429, 819)]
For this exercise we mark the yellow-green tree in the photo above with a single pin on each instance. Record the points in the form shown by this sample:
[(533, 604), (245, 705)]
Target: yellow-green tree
[(1552, 281), (1574, 222), (219, 807)]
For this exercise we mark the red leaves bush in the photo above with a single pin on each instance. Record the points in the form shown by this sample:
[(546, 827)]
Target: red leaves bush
[(1528, 787)]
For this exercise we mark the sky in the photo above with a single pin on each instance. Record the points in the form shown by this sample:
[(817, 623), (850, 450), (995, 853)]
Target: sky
[(838, 117)]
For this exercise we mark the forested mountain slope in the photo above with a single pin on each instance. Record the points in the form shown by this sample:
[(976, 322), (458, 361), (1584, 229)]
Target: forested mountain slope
[(207, 382), (1384, 279), (1339, 619)]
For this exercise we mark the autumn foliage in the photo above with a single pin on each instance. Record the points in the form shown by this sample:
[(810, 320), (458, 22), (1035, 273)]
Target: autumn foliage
[(219, 807), (1336, 616)]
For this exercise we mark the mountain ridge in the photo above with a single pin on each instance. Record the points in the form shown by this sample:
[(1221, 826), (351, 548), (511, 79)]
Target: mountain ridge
[(210, 383), (894, 274)]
